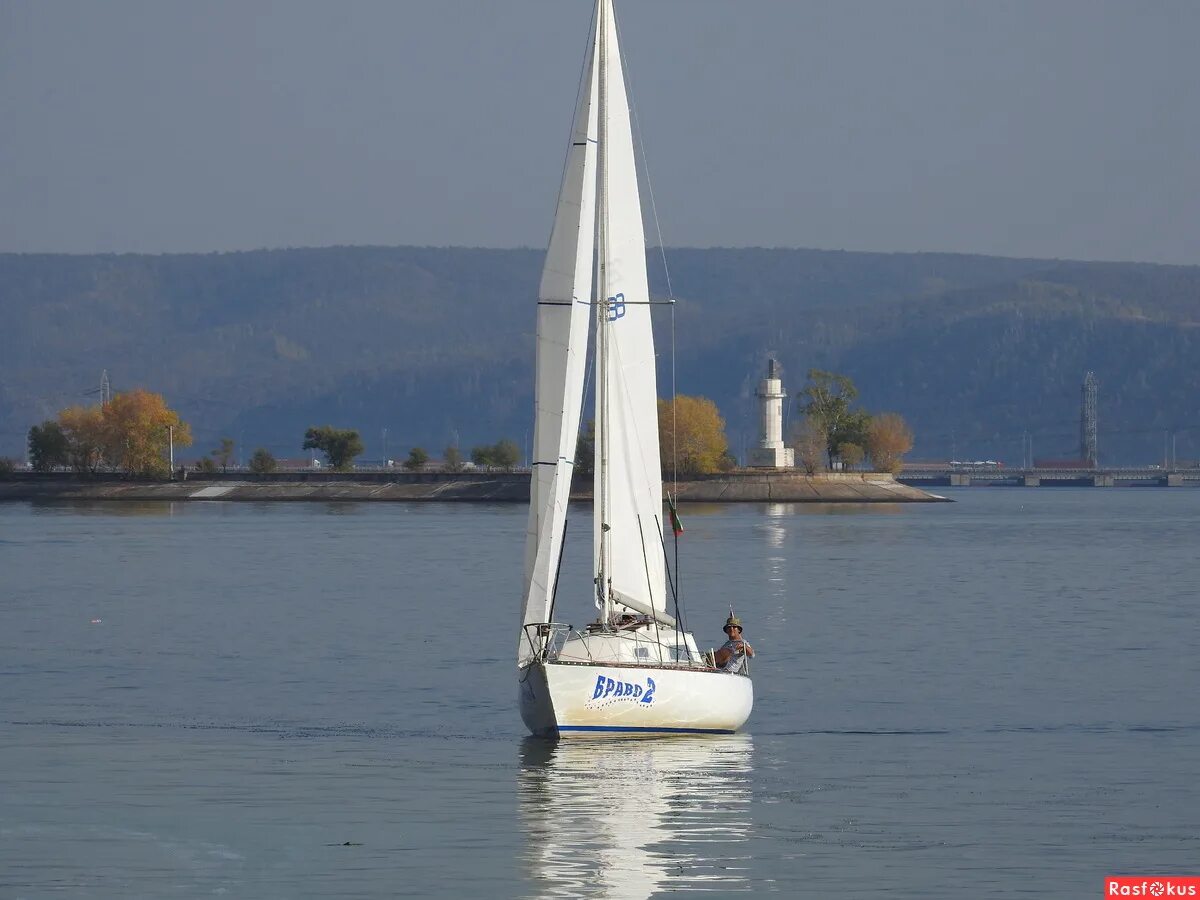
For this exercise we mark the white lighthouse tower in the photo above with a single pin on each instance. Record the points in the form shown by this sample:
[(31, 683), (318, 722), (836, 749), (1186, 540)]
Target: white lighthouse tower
[(771, 452)]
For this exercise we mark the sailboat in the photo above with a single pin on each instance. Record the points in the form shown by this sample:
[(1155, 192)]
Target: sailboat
[(634, 668)]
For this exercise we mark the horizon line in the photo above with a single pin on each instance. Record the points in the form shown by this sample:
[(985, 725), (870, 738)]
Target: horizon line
[(649, 248)]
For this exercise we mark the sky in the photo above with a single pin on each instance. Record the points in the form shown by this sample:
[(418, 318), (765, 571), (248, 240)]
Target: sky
[(1043, 128)]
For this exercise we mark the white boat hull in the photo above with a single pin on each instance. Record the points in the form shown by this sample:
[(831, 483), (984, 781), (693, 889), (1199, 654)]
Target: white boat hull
[(564, 699)]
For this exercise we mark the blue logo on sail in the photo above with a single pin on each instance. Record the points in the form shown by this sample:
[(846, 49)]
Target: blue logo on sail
[(616, 307), (609, 690)]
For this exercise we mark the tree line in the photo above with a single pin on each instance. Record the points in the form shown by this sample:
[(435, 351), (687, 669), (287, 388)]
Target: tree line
[(132, 432), (341, 446)]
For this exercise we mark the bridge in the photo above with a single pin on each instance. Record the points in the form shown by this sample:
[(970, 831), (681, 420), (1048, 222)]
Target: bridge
[(998, 476)]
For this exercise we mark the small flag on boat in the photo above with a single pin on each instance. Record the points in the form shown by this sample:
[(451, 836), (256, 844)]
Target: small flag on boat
[(676, 525)]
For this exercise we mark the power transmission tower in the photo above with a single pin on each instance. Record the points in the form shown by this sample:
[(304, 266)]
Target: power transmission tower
[(105, 390), (1087, 421)]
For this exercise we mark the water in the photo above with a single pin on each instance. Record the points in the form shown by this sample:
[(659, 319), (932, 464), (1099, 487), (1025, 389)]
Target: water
[(299, 700)]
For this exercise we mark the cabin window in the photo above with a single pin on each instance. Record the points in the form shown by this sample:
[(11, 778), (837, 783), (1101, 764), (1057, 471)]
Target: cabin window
[(641, 652)]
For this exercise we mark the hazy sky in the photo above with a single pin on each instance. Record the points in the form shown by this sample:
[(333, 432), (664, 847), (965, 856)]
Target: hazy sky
[(1042, 128)]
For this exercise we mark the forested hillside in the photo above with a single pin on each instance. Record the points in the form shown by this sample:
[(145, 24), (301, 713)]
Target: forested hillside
[(437, 344)]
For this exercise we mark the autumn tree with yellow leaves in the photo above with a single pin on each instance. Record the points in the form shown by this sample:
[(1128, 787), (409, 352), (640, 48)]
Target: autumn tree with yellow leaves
[(139, 428), (888, 439), (86, 434), (130, 433), (692, 433)]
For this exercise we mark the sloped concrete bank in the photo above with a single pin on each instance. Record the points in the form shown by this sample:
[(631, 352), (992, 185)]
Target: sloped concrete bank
[(788, 487), (735, 487)]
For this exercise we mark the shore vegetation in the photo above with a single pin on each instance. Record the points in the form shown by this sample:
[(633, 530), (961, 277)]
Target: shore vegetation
[(262, 462), (417, 458), (692, 436), (340, 445), (834, 432), (132, 433), (504, 454)]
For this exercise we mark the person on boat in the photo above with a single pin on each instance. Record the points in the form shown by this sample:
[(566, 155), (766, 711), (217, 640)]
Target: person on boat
[(629, 621), (733, 653)]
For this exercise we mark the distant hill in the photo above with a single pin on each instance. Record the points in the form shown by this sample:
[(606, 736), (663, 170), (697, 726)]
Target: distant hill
[(437, 343)]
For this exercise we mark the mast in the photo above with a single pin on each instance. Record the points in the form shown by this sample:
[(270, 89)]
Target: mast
[(602, 407)]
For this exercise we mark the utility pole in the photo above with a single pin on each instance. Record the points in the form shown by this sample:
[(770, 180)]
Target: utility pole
[(171, 448), (1087, 421)]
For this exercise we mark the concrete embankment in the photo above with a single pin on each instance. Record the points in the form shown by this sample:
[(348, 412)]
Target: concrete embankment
[(478, 487), (789, 487)]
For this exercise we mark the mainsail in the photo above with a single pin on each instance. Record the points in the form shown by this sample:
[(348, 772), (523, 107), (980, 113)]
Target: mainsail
[(564, 305), (628, 527)]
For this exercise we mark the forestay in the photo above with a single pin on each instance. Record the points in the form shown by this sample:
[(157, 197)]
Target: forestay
[(564, 305)]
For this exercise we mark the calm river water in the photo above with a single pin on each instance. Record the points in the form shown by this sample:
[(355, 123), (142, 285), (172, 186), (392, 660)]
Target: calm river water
[(986, 698)]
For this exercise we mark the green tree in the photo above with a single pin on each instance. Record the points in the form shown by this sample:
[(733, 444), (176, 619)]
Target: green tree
[(585, 450), (692, 434), (340, 446), (829, 406), (7, 466), (850, 454), (48, 446), (223, 455), (417, 458), (453, 461), (506, 454), (854, 429), (206, 465), (262, 461)]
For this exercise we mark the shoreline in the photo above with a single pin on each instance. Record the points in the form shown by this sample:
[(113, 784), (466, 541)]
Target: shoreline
[(465, 487)]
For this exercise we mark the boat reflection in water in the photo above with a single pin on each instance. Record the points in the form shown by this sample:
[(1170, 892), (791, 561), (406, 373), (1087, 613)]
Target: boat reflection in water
[(631, 817)]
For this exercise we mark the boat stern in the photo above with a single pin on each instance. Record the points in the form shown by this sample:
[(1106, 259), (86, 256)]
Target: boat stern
[(569, 699)]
